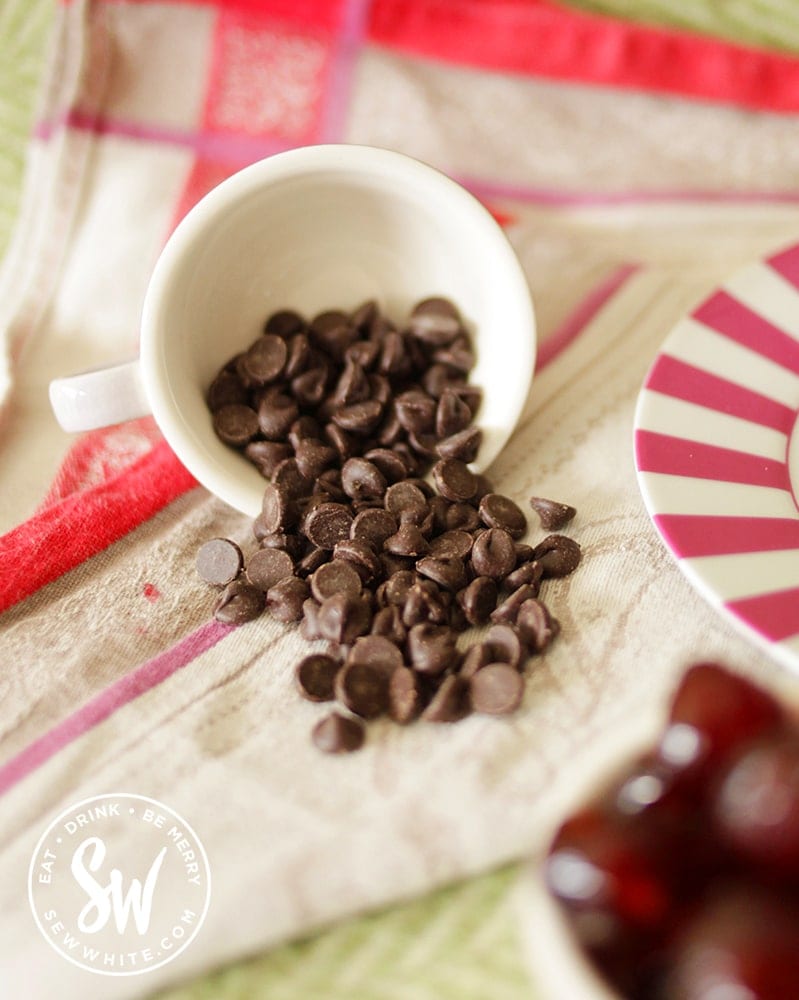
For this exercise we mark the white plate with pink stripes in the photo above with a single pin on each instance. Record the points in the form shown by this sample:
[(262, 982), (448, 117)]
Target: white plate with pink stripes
[(717, 450)]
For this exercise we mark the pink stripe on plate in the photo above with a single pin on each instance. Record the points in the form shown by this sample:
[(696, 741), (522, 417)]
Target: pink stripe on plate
[(775, 616), (675, 378), (726, 315), (144, 678), (581, 316), (679, 457), (693, 535), (787, 264)]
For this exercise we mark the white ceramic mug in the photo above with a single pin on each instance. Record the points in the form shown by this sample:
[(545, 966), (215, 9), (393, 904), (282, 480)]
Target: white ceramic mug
[(314, 228)]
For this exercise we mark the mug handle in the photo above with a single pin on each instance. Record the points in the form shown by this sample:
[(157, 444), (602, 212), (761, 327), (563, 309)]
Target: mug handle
[(100, 397)]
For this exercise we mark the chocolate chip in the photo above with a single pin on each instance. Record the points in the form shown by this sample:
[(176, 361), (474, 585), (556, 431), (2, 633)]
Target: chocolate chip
[(435, 321), (265, 359), (416, 411), (496, 689), (558, 555), (505, 645), (452, 543), (313, 457), (284, 322), (236, 424), (447, 571), (498, 511), (238, 603), (452, 414), (476, 657), (226, 390), (267, 455), (431, 648), (378, 651), (359, 418), (335, 577), (267, 566), (363, 689), (553, 515), (508, 610), (404, 695), (292, 544), (454, 479), (388, 623), (309, 626), (528, 573), (373, 527), (493, 554), (462, 516), (311, 561), (342, 619), (352, 387), (315, 675), (338, 734), (362, 480), (458, 354), (403, 498), (278, 512), (464, 445), (276, 413), (450, 703), (407, 541), (327, 524), (361, 556), (389, 462), (286, 597), (219, 561), (478, 600), (536, 625), (309, 387)]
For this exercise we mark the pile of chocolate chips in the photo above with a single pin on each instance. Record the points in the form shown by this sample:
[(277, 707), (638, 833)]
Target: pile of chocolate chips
[(344, 416)]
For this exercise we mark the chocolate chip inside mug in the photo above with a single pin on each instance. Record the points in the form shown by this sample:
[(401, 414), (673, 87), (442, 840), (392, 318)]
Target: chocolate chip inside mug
[(345, 415)]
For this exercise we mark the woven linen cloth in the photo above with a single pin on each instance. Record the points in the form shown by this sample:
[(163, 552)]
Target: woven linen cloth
[(633, 170)]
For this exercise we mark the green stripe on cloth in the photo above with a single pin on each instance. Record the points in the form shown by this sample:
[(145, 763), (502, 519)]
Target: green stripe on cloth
[(24, 31), (768, 23), (460, 942)]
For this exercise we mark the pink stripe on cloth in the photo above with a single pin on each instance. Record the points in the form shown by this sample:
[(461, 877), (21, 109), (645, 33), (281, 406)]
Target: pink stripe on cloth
[(144, 678), (554, 198), (724, 314), (693, 535), (578, 320), (680, 380), (223, 147)]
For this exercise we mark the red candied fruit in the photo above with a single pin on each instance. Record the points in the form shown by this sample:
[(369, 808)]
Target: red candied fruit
[(756, 805), (744, 943), (604, 865), (714, 711)]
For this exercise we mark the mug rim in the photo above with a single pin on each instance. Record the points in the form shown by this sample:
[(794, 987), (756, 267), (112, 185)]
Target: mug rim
[(329, 158)]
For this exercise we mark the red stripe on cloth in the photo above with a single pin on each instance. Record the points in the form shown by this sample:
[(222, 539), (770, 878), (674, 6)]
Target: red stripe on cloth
[(539, 38), (584, 312), (98, 709), (693, 535), (683, 381), (775, 615), (724, 314), (85, 523), (677, 456)]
